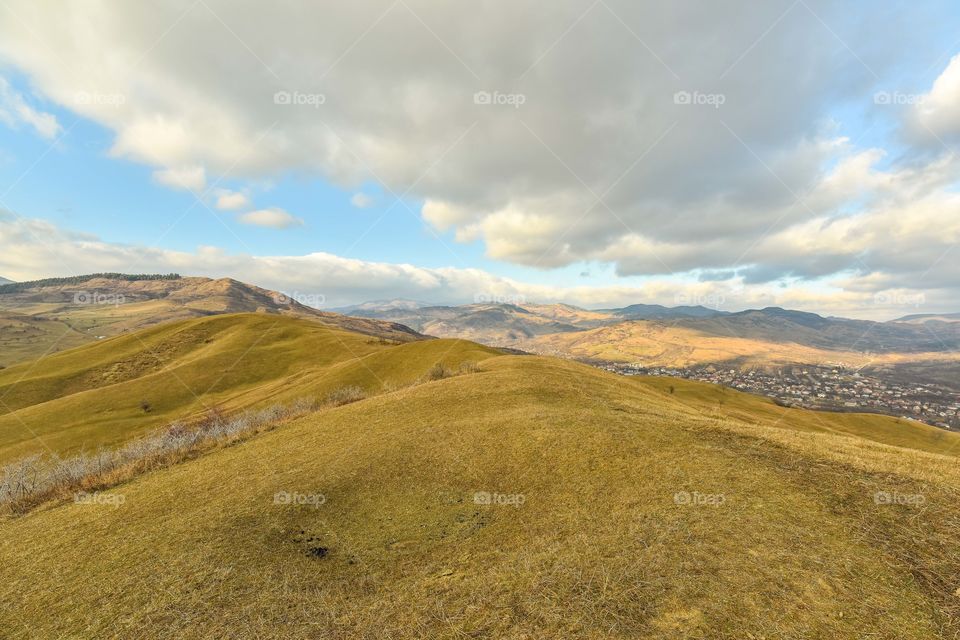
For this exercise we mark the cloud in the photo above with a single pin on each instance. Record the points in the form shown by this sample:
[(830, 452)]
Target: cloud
[(361, 200), (274, 217), (14, 111), (591, 132), (31, 249), (232, 200), (187, 178), (581, 151)]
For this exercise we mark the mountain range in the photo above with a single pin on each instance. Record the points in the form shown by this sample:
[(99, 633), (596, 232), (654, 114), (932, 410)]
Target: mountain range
[(514, 324), (919, 347)]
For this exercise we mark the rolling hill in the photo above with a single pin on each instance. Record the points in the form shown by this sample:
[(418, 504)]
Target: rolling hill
[(507, 324), (534, 498), (107, 392), (46, 316)]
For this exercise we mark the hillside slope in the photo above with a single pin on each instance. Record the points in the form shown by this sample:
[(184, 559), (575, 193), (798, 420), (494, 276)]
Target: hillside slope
[(104, 393), (47, 316), (617, 512)]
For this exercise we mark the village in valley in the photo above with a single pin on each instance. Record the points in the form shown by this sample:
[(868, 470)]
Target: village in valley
[(825, 388)]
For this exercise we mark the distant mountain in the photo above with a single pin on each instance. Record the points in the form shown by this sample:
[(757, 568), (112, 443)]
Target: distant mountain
[(59, 313), (380, 306), (5, 281), (920, 318), (809, 329), (656, 312), (492, 324)]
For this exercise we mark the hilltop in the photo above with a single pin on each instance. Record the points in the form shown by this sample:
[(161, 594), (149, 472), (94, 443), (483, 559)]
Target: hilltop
[(47, 316), (534, 498)]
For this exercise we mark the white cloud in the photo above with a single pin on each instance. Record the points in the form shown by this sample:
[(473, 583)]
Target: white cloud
[(187, 178), (598, 115), (361, 200), (232, 200), (31, 249), (14, 111), (274, 217), (598, 163)]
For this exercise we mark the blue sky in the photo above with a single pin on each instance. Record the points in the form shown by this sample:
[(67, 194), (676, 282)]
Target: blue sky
[(599, 188), (77, 184)]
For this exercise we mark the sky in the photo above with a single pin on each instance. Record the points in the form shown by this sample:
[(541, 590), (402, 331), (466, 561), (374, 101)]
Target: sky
[(600, 153)]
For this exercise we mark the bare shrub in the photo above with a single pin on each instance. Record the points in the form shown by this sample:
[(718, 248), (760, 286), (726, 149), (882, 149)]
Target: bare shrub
[(468, 366), (33, 480), (345, 395), (439, 371)]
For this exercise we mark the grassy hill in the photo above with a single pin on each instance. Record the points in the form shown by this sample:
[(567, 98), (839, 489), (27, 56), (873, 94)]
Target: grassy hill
[(104, 393), (47, 316), (535, 498)]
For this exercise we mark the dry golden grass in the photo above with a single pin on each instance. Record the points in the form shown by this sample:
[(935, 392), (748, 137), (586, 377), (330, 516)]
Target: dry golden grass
[(95, 395), (622, 513)]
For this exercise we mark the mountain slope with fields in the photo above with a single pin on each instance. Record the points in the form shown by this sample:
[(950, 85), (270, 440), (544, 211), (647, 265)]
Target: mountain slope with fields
[(47, 316), (535, 497)]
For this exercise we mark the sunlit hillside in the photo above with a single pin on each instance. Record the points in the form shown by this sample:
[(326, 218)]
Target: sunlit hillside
[(534, 498)]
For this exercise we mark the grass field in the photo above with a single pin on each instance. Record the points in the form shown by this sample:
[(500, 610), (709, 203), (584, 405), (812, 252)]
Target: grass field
[(534, 498), (104, 393), (621, 512)]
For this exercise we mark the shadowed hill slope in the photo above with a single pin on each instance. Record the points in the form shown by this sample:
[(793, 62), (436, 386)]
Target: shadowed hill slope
[(536, 498)]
